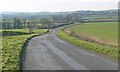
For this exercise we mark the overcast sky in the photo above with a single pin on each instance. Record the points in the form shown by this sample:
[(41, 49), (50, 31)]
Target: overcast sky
[(56, 5)]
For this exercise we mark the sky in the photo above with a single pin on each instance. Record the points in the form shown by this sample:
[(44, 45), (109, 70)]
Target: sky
[(56, 5)]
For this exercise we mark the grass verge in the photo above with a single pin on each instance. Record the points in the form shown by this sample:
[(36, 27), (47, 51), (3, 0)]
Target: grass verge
[(13, 47), (100, 49)]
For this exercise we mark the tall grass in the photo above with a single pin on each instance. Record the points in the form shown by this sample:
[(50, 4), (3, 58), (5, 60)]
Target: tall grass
[(98, 32), (12, 48), (93, 39), (100, 49)]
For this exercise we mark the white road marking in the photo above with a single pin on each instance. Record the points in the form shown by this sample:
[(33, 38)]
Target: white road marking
[(60, 40)]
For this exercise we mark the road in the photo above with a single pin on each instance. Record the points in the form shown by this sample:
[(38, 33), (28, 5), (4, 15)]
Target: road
[(47, 52)]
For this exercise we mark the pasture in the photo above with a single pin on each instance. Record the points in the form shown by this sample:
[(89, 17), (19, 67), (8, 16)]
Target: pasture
[(105, 32), (102, 31)]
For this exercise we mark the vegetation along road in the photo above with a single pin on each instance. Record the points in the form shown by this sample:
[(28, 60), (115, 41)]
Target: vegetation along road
[(47, 52)]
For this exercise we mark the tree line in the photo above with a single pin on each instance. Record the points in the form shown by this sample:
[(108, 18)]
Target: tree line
[(53, 21)]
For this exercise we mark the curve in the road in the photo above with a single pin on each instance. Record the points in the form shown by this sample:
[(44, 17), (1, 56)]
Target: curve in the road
[(47, 52)]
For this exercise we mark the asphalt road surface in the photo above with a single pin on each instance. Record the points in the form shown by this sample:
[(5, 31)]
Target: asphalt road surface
[(47, 52)]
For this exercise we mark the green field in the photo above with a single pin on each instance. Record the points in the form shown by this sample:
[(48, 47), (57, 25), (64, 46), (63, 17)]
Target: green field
[(12, 47), (26, 30), (85, 35), (99, 18), (99, 49), (104, 31)]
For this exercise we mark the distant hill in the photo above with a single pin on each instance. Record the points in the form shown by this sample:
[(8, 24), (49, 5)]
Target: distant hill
[(85, 15)]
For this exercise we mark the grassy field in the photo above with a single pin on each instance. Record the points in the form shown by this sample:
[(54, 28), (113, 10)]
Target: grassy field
[(99, 37), (12, 47), (99, 49), (100, 18), (106, 32), (26, 30)]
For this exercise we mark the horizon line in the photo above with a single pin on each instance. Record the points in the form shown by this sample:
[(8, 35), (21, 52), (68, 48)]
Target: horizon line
[(61, 11)]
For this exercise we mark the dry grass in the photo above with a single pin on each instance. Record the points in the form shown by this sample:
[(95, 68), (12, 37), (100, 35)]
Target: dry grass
[(105, 50), (93, 39)]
